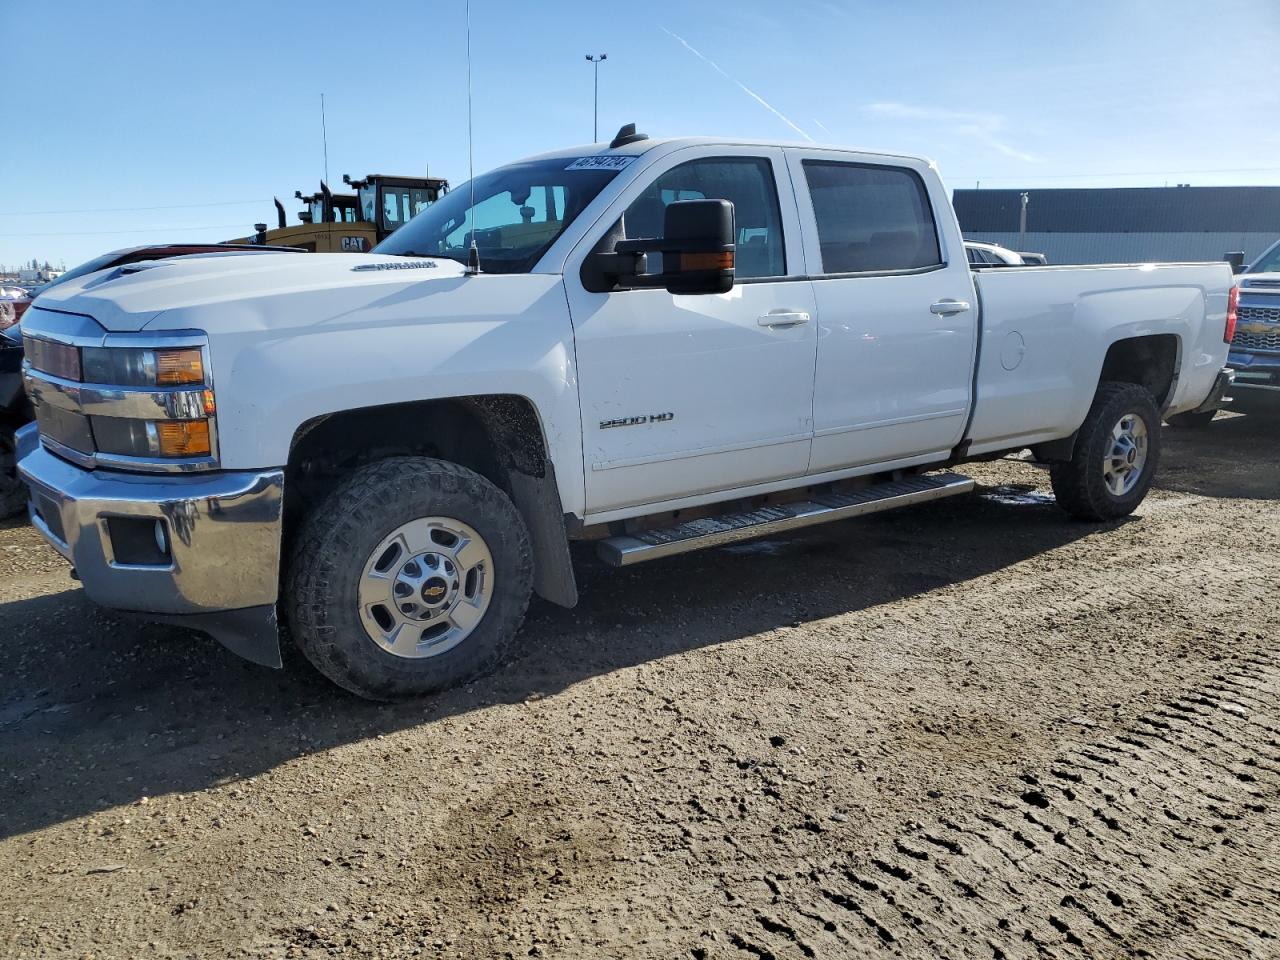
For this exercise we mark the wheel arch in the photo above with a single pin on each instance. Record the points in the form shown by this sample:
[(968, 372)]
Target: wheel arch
[(499, 436), (1151, 361)]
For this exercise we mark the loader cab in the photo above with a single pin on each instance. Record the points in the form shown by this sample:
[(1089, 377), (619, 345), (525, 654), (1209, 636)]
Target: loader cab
[(353, 222), (389, 202), (327, 207)]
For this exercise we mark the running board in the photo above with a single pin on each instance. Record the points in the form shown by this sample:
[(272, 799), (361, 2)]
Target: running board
[(778, 518)]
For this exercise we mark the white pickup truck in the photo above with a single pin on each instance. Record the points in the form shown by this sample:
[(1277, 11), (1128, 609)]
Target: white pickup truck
[(657, 345)]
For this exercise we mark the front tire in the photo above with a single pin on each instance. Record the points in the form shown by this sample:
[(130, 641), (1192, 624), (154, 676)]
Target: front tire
[(410, 578), (1116, 454)]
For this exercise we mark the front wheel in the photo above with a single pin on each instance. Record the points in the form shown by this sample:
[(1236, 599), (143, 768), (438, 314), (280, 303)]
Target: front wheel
[(1116, 454), (412, 577)]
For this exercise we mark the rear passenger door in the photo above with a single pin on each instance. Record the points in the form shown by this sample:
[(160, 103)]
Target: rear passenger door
[(895, 306)]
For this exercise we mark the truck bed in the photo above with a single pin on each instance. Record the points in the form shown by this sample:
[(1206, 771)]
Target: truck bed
[(1046, 332)]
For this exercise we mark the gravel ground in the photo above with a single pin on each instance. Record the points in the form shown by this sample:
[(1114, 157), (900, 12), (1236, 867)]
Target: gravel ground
[(970, 729)]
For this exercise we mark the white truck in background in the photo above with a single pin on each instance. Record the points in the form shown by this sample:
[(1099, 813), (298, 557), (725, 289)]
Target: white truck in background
[(667, 345)]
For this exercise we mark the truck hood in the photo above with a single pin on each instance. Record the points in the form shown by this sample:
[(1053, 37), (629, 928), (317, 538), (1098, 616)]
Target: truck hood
[(1259, 282), (131, 297)]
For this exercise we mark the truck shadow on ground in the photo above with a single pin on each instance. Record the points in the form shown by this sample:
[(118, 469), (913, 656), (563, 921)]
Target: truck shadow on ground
[(99, 710), (1233, 457)]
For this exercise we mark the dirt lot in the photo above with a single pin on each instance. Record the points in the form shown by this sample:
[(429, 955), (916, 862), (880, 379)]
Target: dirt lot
[(973, 729)]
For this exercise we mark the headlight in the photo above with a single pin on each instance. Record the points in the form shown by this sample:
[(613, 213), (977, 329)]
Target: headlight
[(139, 367), (141, 405), (152, 438)]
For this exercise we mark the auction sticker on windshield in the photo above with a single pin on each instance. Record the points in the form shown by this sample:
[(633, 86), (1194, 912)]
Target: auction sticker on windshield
[(600, 163)]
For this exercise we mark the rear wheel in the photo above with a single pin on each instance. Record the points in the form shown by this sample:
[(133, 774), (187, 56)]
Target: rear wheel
[(412, 577), (1192, 421), (13, 492), (1116, 454)]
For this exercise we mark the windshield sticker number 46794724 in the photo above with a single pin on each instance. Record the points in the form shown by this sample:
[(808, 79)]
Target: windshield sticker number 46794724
[(600, 163)]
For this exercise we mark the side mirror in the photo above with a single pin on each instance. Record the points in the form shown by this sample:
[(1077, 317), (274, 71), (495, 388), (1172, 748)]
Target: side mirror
[(697, 250), (1236, 259)]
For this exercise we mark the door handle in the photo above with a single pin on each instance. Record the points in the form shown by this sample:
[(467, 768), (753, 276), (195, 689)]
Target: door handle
[(783, 318), (945, 308)]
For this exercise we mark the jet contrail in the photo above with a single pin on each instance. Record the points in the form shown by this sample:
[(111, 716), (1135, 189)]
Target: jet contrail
[(745, 89)]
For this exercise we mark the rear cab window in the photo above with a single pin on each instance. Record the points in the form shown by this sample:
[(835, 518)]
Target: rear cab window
[(870, 218)]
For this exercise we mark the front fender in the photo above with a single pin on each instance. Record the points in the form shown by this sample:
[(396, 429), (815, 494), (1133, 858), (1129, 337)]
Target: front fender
[(278, 363)]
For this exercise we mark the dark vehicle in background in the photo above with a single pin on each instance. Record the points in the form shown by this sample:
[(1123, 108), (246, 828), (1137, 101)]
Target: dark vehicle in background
[(1255, 351), (1255, 348), (15, 410)]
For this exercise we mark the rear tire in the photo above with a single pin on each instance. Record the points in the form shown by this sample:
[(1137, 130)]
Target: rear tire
[(1116, 454), (1192, 421), (410, 578), (13, 492)]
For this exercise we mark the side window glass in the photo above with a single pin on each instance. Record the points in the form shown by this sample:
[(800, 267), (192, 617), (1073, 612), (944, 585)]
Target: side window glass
[(747, 182), (871, 218)]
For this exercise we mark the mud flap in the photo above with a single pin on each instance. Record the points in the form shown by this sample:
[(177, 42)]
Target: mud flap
[(251, 632), (538, 500)]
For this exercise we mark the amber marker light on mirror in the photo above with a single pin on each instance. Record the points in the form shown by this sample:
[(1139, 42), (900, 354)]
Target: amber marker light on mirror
[(707, 261)]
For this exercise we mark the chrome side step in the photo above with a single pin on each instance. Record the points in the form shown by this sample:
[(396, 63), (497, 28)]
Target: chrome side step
[(777, 518)]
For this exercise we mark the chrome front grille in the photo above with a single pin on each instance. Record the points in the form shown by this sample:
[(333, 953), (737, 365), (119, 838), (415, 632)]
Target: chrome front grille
[(1258, 328), (1259, 314), (1256, 341)]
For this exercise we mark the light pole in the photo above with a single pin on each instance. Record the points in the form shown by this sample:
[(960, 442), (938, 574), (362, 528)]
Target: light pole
[(595, 112)]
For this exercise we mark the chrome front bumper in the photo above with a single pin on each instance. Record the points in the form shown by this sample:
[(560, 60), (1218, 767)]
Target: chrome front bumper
[(222, 532)]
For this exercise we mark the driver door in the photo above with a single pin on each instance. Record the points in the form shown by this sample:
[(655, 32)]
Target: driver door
[(688, 395)]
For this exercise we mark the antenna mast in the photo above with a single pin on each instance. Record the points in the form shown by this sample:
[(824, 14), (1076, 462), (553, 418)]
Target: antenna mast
[(324, 139), (473, 254)]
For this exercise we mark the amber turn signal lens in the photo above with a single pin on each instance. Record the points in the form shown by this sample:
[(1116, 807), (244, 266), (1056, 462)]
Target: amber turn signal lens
[(174, 367), (707, 261), (183, 438)]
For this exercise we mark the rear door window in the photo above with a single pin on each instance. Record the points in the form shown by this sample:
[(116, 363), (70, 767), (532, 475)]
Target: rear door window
[(871, 219)]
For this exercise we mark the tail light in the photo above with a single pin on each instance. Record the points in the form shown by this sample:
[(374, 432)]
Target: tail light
[(1233, 301)]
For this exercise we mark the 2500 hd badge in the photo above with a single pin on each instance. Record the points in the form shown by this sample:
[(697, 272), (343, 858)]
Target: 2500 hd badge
[(636, 421)]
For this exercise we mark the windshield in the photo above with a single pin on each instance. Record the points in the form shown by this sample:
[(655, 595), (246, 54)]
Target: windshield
[(1269, 262), (519, 212)]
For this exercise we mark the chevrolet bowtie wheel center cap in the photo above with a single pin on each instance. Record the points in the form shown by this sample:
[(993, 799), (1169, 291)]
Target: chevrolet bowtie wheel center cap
[(425, 587)]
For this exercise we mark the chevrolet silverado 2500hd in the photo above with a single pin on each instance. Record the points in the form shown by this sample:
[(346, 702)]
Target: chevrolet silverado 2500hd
[(657, 345)]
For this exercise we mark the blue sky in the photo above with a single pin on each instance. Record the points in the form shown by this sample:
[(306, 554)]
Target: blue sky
[(160, 104)]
